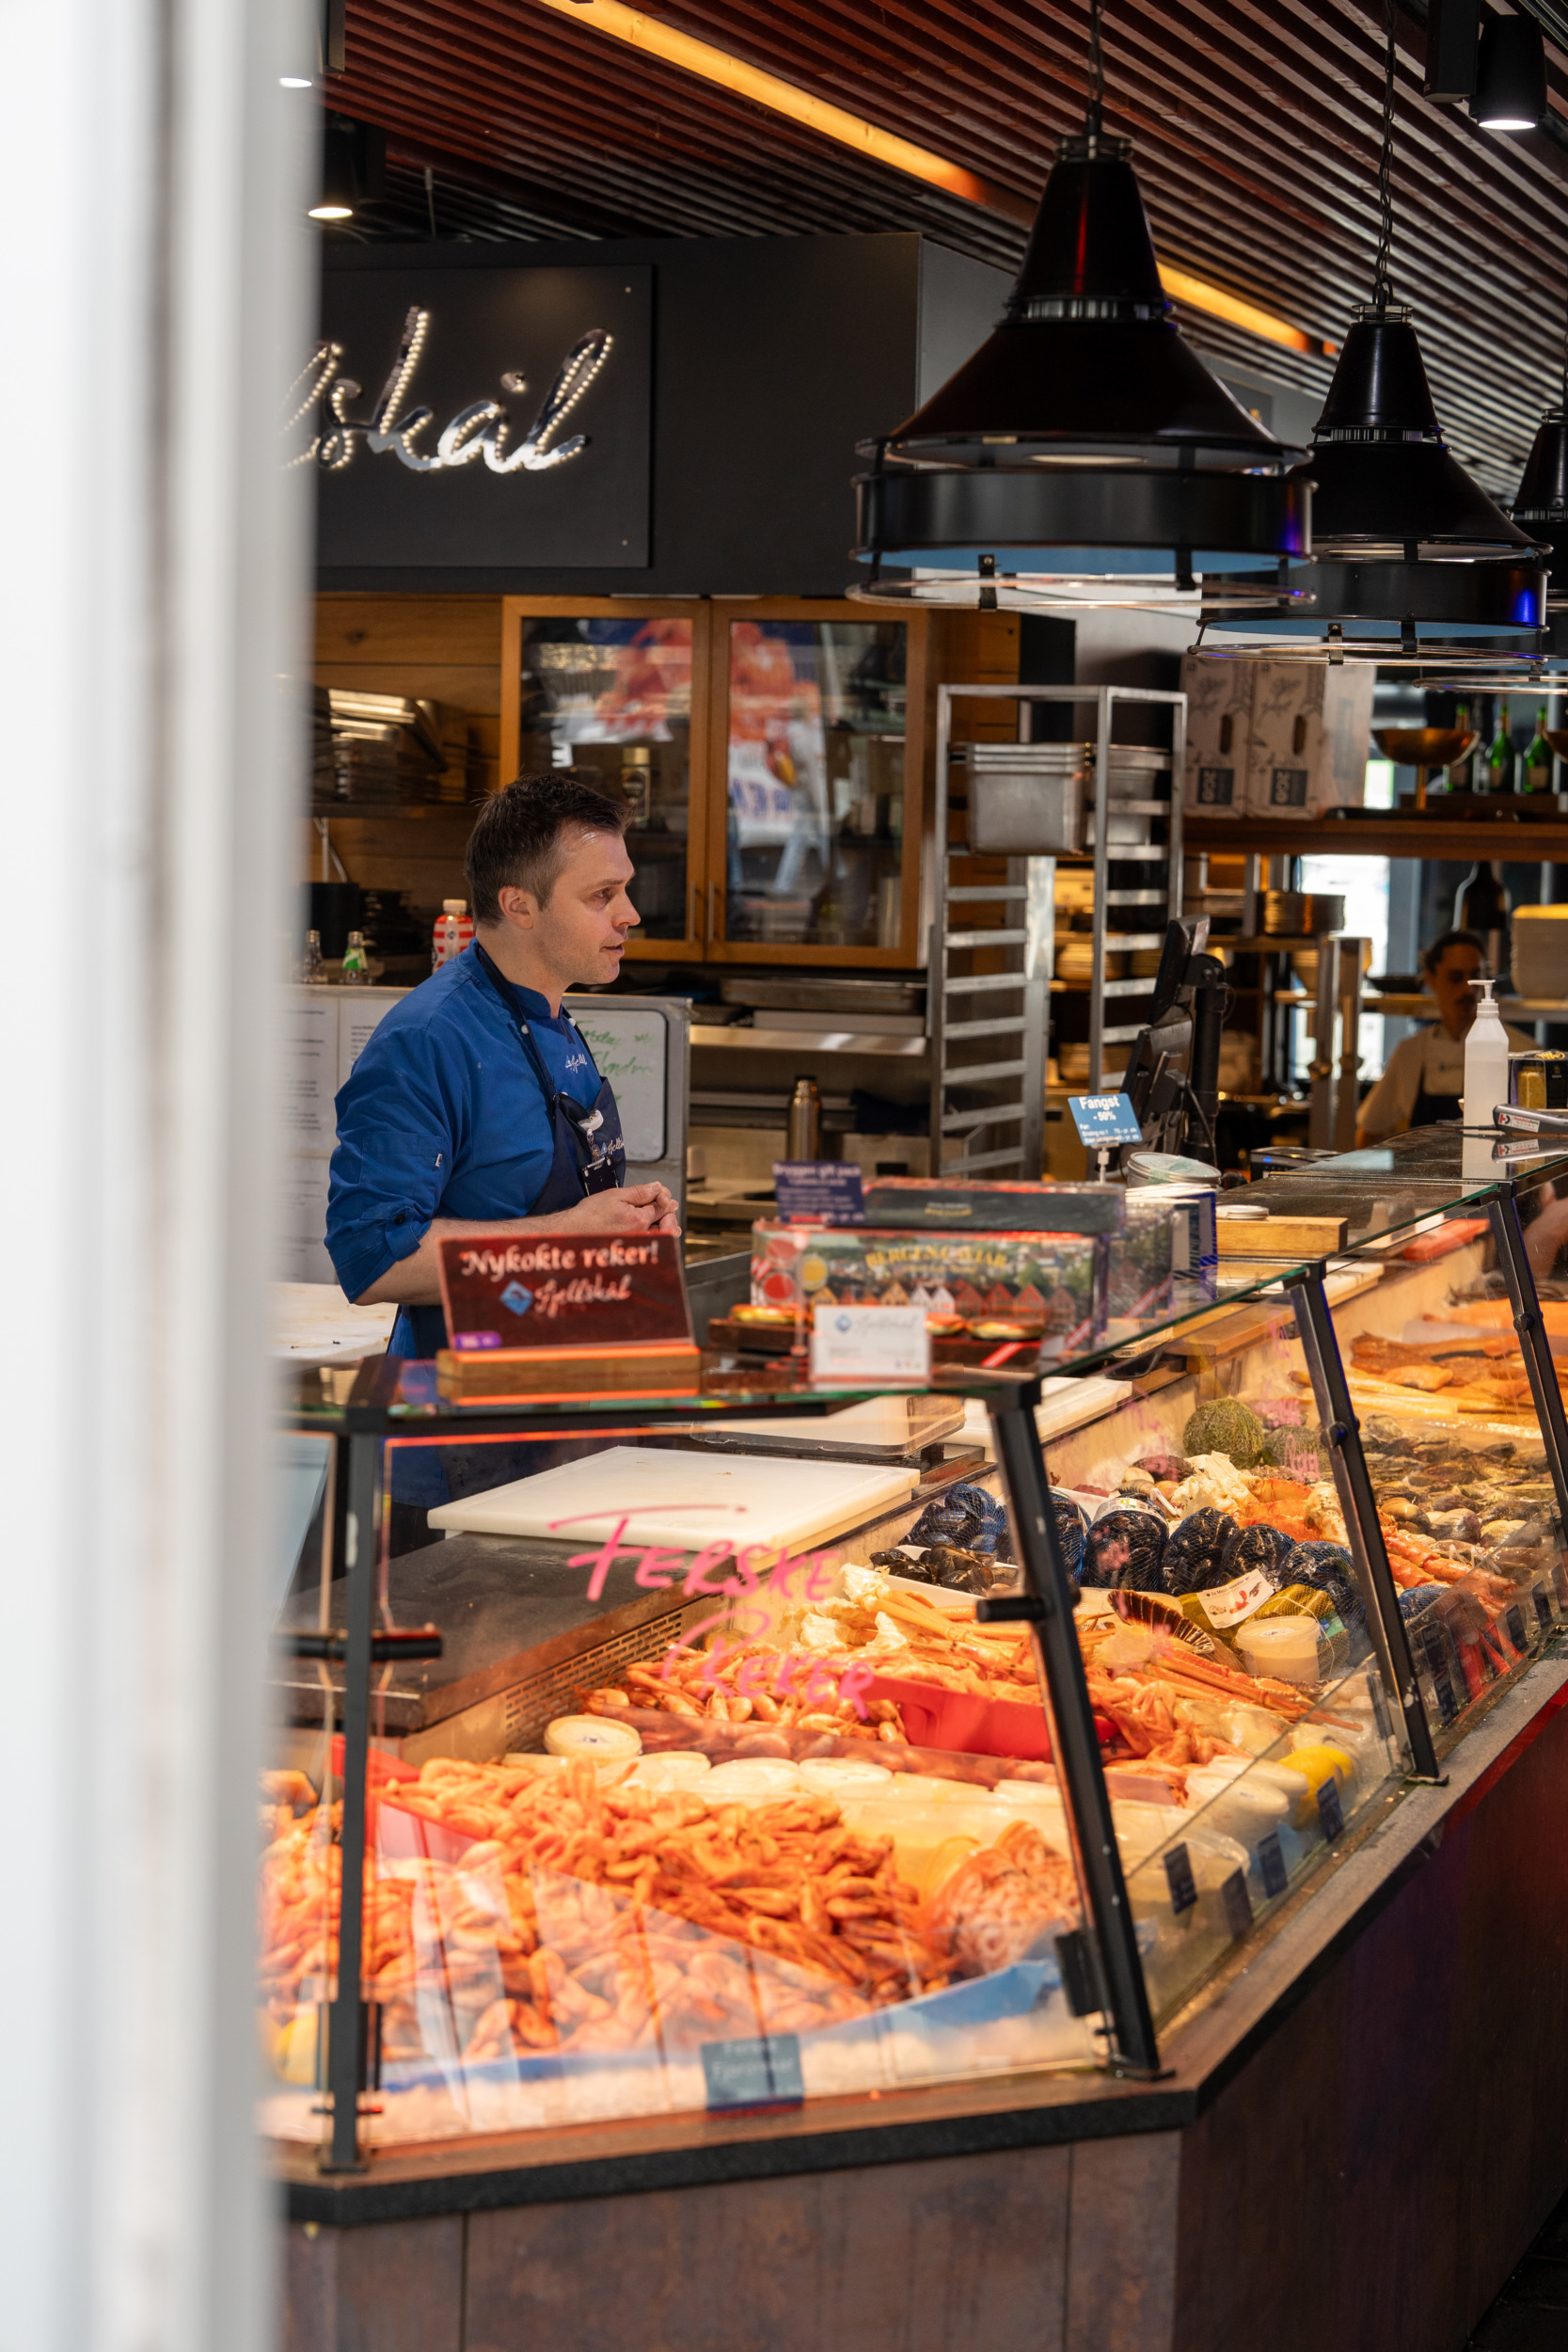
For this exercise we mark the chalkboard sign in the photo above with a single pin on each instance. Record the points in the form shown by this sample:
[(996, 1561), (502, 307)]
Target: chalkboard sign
[(502, 1290)]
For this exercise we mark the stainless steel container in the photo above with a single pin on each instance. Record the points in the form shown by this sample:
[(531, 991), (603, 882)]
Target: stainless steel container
[(1301, 914), (1036, 800), (1019, 814), (805, 1120)]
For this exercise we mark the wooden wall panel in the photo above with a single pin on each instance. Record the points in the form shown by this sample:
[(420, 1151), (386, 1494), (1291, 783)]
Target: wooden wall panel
[(1121, 2279), (1373, 2177), (465, 630), (445, 649), (898, 2258), (396, 2286)]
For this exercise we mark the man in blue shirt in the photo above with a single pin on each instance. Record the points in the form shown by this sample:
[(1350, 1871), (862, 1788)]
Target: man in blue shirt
[(475, 1106)]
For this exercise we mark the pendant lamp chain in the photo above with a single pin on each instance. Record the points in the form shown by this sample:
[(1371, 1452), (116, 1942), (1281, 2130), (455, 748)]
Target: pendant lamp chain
[(1383, 292), (1097, 74)]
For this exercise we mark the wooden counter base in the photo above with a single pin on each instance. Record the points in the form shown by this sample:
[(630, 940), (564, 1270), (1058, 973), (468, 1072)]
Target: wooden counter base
[(1363, 2127)]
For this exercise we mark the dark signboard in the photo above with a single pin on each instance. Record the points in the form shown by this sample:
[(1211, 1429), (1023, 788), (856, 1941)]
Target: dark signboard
[(562, 1290), (480, 417)]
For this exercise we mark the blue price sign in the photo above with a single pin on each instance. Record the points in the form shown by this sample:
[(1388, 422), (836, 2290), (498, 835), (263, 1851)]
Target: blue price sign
[(754, 2075), (819, 1192), (1104, 1119)]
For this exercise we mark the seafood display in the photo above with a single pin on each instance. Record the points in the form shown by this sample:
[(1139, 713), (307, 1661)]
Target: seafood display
[(554, 1913), (828, 1815), (1473, 1375), (1160, 1687)]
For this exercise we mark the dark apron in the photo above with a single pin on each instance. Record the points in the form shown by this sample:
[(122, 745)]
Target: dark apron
[(1429, 1108), (590, 1156)]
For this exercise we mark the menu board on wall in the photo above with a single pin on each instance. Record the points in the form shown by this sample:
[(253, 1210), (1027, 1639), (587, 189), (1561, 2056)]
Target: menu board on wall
[(475, 416)]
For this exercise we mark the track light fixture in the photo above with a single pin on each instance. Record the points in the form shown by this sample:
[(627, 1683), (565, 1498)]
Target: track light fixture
[(354, 166), (1510, 74), (340, 187), (1083, 454)]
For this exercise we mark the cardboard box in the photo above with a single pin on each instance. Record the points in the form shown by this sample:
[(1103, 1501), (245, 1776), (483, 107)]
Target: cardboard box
[(1307, 743), (1274, 739), (1219, 716)]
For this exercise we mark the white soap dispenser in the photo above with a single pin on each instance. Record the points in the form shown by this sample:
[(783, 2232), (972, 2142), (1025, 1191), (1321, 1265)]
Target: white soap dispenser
[(1485, 1060)]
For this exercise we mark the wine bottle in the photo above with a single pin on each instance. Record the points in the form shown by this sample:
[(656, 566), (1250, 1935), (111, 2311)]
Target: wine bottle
[(1500, 759), (1538, 759)]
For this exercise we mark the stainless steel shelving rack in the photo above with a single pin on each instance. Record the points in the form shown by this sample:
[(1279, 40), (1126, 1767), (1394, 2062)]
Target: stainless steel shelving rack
[(1029, 963)]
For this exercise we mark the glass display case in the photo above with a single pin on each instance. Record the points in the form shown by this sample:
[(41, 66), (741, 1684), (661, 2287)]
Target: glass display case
[(773, 751), (724, 1753)]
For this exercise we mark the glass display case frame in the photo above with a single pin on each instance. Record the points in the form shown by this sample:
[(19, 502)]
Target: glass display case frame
[(1152, 1931), (703, 940)]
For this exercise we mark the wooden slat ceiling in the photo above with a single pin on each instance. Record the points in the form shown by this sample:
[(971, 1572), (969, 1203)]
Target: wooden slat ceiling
[(1255, 122)]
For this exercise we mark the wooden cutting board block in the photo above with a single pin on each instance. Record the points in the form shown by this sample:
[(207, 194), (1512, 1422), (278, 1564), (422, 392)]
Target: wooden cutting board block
[(1286, 1238)]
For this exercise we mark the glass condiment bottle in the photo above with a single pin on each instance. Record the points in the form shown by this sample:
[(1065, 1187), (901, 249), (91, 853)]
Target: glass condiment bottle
[(312, 969), (356, 971)]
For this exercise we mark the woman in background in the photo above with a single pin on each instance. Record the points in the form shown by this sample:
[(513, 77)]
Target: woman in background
[(1425, 1077)]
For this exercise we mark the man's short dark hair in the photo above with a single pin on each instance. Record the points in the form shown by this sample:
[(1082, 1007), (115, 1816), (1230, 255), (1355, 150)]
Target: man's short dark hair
[(520, 838), (1444, 941)]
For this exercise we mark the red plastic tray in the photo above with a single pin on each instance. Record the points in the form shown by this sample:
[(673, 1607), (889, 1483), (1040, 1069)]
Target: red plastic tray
[(402, 1836), (959, 1721)]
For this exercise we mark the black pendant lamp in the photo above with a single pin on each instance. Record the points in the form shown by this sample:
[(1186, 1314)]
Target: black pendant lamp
[(1084, 454), (1411, 558), (1541, 507)]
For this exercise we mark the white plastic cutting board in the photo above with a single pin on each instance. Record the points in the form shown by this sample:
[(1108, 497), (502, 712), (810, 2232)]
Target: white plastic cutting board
[(682, 1500)]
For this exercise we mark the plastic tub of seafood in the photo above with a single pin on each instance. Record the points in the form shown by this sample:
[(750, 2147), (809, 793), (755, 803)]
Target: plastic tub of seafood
[(676, 1768), (1245, 1807), (844, 1776), (929, 1841), (752, 1780), (933, 1789)]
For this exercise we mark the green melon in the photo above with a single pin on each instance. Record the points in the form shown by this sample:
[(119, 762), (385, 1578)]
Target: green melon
[(1292, 1446), (1225, 1427)]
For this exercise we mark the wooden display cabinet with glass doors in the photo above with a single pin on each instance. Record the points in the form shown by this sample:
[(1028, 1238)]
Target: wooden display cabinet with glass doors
[(774, 750)]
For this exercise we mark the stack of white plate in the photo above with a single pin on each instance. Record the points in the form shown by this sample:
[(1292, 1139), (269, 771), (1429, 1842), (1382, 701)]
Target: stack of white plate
[(1540, 959)]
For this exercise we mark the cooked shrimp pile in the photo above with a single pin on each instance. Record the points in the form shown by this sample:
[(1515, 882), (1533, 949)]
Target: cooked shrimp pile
[(592, 1918), (758, 1684)]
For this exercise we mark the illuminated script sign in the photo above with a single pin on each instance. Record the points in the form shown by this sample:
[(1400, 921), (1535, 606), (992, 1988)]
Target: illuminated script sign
[(470, 417)]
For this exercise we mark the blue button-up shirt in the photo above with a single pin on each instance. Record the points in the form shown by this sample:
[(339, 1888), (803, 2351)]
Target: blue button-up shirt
[(444, 1116)]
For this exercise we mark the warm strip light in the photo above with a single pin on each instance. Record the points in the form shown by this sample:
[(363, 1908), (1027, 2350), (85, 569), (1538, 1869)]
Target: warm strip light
[(1199, 295), (766, 89)]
